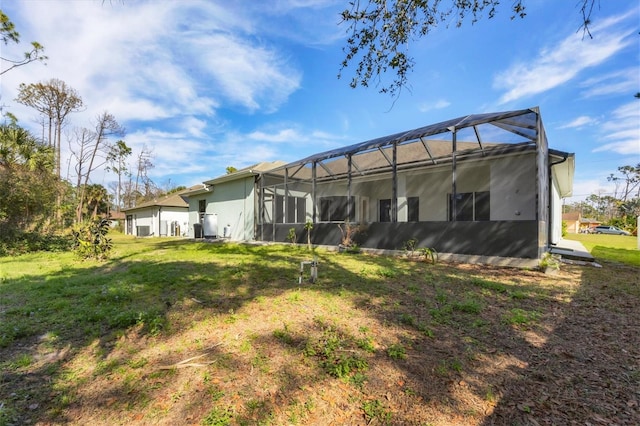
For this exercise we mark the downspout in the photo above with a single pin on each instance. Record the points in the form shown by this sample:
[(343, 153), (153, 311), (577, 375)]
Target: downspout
[(394, 185), (285, 209), (313, 193), (550, 224), (348, 219), (257, 207), (159, 221), (454, 176)]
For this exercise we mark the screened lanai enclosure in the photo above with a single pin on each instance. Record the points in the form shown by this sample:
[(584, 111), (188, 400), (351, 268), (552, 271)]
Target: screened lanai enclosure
[(484, 184)]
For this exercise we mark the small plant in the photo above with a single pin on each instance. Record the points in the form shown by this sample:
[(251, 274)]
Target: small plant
[(430, 254), (387, 272), (90, 240), (520, 316), (425, 330), (366, 343), (445, 367), (330, 350), (397, 351), (374, 409), (358, 380), (549, 263), (410, 247), (218, 417), (308, 226), (291, 236), (342, 366), (490, 395), (456, 365), (469, 306), (407, 319), (349, 232), (152, 323), (284, 335)]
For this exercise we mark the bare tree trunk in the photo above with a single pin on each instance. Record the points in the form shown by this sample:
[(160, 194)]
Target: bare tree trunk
[(105, 127)]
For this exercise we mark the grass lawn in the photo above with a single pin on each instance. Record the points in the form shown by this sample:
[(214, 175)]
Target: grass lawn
[(613, 248), (171, 331)]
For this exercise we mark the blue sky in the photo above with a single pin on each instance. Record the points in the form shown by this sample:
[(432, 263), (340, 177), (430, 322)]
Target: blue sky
[(211, 84)]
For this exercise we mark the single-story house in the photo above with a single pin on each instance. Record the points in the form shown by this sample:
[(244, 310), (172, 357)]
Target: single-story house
[(479, 185), (164, 216), (577, 224), (116, 218), (226, 206)]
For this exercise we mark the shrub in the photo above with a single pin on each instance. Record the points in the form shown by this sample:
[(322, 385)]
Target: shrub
[(90, 240)]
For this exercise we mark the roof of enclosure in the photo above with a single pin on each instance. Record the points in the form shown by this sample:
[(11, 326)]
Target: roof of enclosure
[(476, 134)]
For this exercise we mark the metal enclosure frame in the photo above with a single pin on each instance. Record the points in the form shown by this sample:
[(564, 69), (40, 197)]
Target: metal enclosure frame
[(478, 185)]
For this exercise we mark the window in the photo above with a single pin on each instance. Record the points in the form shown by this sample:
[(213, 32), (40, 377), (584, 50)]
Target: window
[(279, 209), (296, 209), (470, 206), (301, 210), (385, 210), (202, 208), (337, 209), (413, 209), (291, 210)]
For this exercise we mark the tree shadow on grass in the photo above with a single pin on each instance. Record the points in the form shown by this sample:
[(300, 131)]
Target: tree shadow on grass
[(588, 369), (440, 342)]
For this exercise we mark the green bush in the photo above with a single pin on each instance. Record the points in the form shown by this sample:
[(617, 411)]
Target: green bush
[(90, 240), (19, 242)]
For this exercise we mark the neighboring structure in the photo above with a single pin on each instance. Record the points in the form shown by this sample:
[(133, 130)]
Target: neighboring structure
[(165, 216), (226, 206), (116, 219), (480, 185), (576, 224)]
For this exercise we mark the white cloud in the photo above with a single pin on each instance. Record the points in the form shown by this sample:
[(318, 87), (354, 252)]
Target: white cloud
[(162, 65), (146, 61), (578, 122), (624, 81), (255, 77), (438, 104), (283, 135), (555, 65), (622, 130), (583, 188)]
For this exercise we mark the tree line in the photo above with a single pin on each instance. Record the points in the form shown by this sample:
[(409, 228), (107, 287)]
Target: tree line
[(37, 194), (620, 208)]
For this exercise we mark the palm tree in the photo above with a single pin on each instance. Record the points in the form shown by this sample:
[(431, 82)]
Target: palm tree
[(97, 199)]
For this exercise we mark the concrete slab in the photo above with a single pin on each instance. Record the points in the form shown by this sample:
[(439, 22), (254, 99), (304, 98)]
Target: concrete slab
[(570, 249)]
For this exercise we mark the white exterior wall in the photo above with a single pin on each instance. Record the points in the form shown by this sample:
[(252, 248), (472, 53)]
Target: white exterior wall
[(431, 187), (513, 188), (152, 216), (234, 205), (510, 181), (143, 217), (193, 212), (173, 214), (556, 215)]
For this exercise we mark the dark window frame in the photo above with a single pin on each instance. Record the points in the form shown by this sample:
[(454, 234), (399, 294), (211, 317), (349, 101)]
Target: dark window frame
[(471, 206), (336, 209), (384, 210), (413, 209)]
